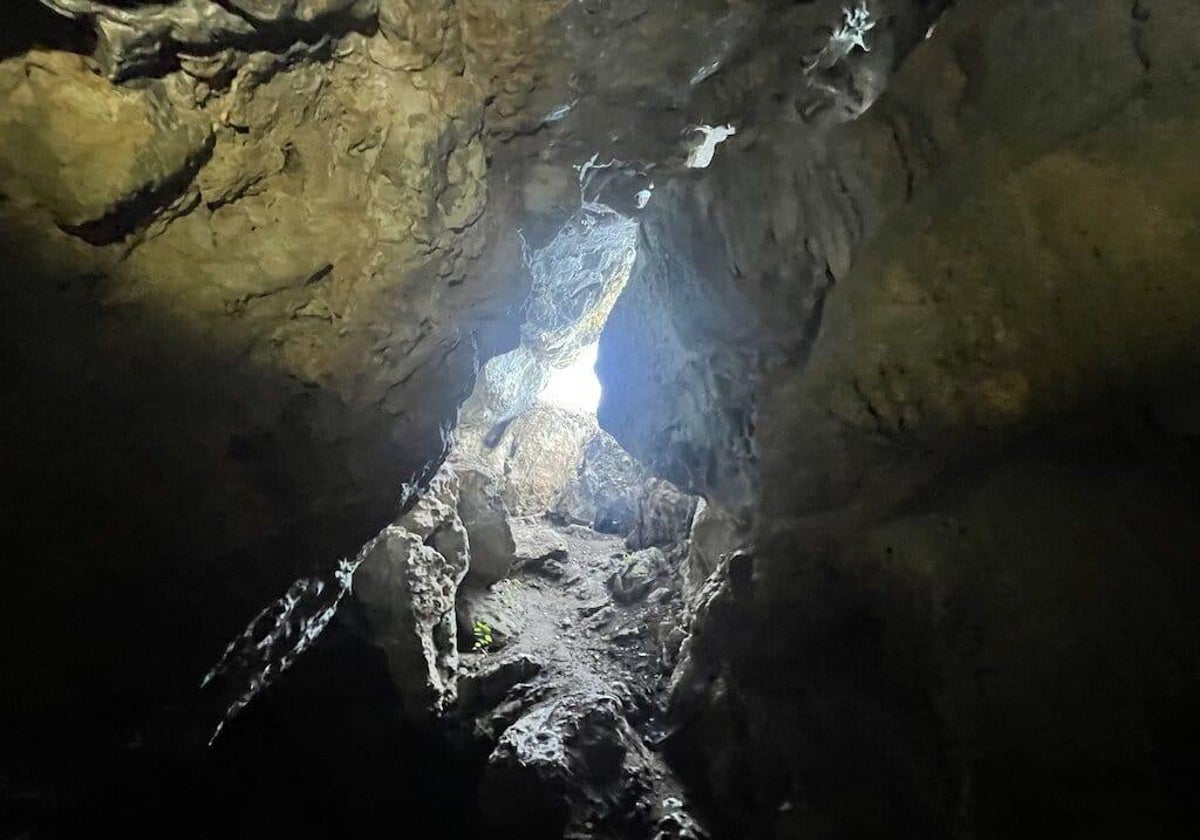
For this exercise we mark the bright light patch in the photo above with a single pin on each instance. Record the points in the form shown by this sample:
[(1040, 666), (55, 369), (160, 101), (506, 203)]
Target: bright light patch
[(705, 146), (575, 387)]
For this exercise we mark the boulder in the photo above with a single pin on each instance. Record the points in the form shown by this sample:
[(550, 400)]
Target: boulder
[(484, 514), (536, 543), (405, 587), (715, 534), (664, 516), (553, 764), (639, 574), (604, 492)]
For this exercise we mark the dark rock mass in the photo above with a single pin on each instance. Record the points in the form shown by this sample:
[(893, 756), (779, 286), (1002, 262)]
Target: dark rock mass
[(886, 524)]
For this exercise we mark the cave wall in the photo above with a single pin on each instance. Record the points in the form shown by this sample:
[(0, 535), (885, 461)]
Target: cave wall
[(941, 350), (247, 280)]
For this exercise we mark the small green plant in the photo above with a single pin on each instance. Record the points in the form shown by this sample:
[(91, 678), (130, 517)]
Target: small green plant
[(482, 631)]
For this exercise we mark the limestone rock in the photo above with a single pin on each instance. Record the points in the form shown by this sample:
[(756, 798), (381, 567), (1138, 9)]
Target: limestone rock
[(406, 589), (640, 573), (554, 760), (714, 536), (664, 516), (266, 321), (937, 328), (104, 161), (605, 490), (134, 41), (535, 542), (485, 516), (537, 455), (493, 678)]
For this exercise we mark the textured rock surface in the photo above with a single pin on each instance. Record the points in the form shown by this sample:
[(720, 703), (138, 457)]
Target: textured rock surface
[(237, 315), (926, 325), (714, 535), (536, 458), (240, 312), (485, 517), (565, 704), (605, 490), (406, 589), (664, 516), (952, 440)]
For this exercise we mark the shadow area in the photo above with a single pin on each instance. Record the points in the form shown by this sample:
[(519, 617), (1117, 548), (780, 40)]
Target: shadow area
[(159, 491), (27, 24)]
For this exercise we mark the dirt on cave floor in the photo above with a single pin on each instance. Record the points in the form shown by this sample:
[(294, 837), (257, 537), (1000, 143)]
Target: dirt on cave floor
[(565, 615), (582, 623)]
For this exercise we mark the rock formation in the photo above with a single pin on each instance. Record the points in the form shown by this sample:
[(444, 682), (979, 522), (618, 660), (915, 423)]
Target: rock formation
[(920, 329), (941, 354)]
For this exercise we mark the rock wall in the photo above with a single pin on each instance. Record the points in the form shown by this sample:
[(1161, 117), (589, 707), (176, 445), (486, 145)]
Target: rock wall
[(941, 353), (926, 327), (252, 259)]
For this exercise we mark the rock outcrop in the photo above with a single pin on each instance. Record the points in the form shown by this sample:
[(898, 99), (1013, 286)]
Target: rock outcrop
[(485, 516), (605, 490), (405, 588), (714, 536), (664, 516), (563, 685), (948, 442), (535, 458), (553, 460)]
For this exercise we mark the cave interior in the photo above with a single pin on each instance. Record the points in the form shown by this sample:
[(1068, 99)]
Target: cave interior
[(617, 419)]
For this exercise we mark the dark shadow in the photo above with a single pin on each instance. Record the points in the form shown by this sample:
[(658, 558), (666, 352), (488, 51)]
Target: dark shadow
[(27, 24), (145, 521)]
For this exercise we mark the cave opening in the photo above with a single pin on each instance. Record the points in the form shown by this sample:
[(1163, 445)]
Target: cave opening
[(575, 385)]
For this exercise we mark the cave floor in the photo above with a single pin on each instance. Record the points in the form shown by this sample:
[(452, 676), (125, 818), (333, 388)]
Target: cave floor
[(580, 627), (567, 619)]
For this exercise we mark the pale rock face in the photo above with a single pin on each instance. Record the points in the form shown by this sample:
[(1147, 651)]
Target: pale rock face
[(100, 159), (714, 536), (605, 490), (537, 456), (664, 516), (406, 587), (484, 514)]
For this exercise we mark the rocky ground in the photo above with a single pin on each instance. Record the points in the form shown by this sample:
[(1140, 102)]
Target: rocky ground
[(567, 678)]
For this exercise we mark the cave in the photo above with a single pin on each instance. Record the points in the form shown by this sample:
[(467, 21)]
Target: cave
[(620, 419)]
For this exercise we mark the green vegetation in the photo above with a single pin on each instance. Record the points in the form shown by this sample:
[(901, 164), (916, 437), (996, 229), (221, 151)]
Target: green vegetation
[(482, 631)]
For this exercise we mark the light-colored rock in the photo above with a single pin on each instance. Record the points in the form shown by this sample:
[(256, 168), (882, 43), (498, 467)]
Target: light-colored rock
[(485, 516), (537, 455), (605, 490), (639, 574), (536, 542), (145, 40), (664, 516), (406, 589), (714, 535), (102, 160)]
